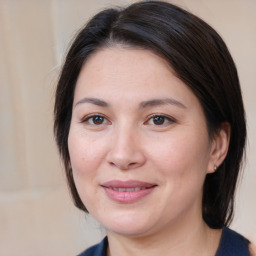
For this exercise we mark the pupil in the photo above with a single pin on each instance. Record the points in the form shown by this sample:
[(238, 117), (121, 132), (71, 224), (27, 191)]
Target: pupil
[(158, 120), (98, 120)]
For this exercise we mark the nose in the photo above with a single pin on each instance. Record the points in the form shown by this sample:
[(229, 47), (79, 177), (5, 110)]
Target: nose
[(126, 151)]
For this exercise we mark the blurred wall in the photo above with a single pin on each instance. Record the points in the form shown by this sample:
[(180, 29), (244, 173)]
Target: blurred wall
[(36, 213)]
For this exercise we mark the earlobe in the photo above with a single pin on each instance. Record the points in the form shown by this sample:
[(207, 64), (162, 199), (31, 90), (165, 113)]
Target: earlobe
[(220, 145)]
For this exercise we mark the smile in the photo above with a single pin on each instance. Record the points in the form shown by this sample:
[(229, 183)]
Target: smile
[(127, 191)]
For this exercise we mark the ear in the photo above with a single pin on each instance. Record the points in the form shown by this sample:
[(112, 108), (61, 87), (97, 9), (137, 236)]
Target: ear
[(219, 147)]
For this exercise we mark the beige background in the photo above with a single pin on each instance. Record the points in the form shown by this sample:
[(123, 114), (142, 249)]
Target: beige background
[(36, 213)]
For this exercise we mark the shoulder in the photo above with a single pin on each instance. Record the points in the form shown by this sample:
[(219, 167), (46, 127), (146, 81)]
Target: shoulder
[(252, 249), (99, 249), (232, 244)]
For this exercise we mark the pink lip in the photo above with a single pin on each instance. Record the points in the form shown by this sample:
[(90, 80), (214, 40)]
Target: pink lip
[(127, 191)]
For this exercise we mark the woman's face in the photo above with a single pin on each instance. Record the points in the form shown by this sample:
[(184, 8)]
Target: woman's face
[(138, 143)]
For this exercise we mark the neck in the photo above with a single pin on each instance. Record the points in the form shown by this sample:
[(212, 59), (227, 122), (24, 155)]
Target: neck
[(191, 238)]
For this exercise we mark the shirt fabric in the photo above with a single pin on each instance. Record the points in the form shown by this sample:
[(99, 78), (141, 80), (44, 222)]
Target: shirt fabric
[(231, 244)]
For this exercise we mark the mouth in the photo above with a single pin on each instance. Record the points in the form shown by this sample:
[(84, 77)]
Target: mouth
[(127, 191)]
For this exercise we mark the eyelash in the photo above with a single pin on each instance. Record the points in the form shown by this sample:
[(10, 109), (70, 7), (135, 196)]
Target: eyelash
[(92, 117), (163, 119), (166, 119)]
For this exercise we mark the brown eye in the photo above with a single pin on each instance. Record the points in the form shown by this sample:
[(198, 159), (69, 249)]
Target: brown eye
[(96, 120), (158, 120)]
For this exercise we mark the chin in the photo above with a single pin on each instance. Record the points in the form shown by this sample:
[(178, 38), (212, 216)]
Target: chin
[(131, 225), (129, 230)]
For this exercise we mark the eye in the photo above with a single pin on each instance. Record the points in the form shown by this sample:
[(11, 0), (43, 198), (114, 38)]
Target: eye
[(160, 120), (95, 120)]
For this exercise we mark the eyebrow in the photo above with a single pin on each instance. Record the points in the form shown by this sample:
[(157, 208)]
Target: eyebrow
[(165, 101), (94, 101), (144, 104)]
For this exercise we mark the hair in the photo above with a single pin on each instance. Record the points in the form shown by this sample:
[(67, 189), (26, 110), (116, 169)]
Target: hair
[(199, 58)]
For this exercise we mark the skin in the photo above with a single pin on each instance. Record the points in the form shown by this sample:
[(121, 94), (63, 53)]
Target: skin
[(252, 249), (114, 136)]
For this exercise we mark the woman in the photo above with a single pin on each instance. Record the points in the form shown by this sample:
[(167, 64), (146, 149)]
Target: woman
[(149, 121)]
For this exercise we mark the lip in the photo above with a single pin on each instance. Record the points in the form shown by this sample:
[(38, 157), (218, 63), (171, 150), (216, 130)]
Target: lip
[(127, 191)]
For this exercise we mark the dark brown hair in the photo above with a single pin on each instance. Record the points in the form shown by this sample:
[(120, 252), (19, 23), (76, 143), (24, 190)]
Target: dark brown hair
[(200, 59)]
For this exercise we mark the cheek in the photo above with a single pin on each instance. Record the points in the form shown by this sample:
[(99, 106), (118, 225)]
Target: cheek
[(178, 151), (182, 161), (182, 164), (86, 154), (86, 157)]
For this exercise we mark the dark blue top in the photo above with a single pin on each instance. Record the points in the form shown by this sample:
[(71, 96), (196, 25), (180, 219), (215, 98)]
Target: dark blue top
[(231, 244)]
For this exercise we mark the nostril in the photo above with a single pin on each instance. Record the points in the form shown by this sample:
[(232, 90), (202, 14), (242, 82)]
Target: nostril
[(123, 166), (125, 158), (132, 164)]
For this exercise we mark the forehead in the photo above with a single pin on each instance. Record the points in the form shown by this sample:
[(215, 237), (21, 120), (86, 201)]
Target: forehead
[(118, 72), (119, 60)]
